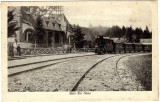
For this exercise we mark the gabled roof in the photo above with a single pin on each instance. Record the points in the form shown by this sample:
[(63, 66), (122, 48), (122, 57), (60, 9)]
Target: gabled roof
[(57, 19), (69, 26), (51, 24), (106, 37), (145, 40), (118, 40)]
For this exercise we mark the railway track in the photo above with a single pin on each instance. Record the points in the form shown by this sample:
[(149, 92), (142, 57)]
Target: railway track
[(116, 68), (117, 73), (45, 61), (31, 69), (77, 75), (94, 66), (121, 77), (83, 76), (64, 76), (19, 69)]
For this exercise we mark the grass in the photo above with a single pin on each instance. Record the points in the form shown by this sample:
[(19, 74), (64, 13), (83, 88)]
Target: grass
[(141, 67)]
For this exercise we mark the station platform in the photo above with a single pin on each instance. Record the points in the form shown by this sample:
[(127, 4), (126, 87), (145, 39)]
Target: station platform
[(24, 59)]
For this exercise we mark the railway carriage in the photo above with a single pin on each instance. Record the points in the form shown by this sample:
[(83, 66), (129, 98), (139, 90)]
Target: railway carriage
[(146, 47), (128, 47), (118, 47), (137, 47)]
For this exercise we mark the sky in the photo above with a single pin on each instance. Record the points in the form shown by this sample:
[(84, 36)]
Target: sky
[(128, 14)]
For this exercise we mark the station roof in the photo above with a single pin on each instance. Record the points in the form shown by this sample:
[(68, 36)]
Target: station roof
[(118, 40), (137, 43), (128, 43), (145, 40), (146, 43), (106, 37)]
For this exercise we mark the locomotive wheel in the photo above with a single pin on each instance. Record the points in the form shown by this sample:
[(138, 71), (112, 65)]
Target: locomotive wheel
[(99, 52), (95, 51)]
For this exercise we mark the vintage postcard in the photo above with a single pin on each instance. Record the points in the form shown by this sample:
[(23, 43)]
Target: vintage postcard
[(79, 51)]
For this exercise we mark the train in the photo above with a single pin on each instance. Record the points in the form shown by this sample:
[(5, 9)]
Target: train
[(108, 45)]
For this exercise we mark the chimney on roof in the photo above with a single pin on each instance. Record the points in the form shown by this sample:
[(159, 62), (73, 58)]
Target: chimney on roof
[(59, 10)]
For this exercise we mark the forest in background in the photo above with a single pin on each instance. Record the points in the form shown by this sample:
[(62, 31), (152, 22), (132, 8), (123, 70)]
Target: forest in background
[(131, 34)]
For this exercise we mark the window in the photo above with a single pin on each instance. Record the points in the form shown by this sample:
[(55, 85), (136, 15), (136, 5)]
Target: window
[(56, 38), (47, 22), (28, 35)]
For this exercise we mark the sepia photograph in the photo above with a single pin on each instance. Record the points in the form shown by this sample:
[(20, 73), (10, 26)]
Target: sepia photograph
[(80, 47)]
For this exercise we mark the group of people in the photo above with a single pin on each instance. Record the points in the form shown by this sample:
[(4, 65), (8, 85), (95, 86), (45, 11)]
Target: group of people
[(12, 50)]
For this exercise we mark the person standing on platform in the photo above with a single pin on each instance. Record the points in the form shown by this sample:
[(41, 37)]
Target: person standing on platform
[(11, 50), (19, 50)]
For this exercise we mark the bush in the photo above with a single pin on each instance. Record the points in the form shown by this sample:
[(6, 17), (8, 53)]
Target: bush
[(141, 67)]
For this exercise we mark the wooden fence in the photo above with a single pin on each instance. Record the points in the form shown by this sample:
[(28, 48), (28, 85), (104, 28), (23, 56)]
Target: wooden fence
[(59, 50)]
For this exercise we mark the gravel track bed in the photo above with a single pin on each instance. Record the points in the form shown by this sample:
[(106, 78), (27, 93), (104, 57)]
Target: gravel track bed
[(128, 80), (32, 66), (104, 77), (60, 77), (44, 58)]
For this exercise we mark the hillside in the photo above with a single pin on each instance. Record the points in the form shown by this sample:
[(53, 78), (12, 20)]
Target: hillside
[(89, 34)]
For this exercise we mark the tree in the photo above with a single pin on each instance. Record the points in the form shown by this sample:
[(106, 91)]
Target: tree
[(78, 37), (123, 31), (146, 33), (129, 34), (40, 11), (12, 24), (114, 31), (137, 35), (140, 32), (39, 31)]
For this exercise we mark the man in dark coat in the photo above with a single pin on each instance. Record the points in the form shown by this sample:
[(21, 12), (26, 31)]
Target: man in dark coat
[(19, 50), (11, 50)]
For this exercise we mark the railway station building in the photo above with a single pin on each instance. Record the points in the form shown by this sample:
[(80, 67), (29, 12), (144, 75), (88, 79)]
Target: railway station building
[(57, 29)]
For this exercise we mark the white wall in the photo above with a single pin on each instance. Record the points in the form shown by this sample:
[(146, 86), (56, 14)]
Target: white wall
[(25, 45)]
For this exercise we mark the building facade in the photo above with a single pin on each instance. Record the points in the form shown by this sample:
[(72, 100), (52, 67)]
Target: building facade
[(57, 28)]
